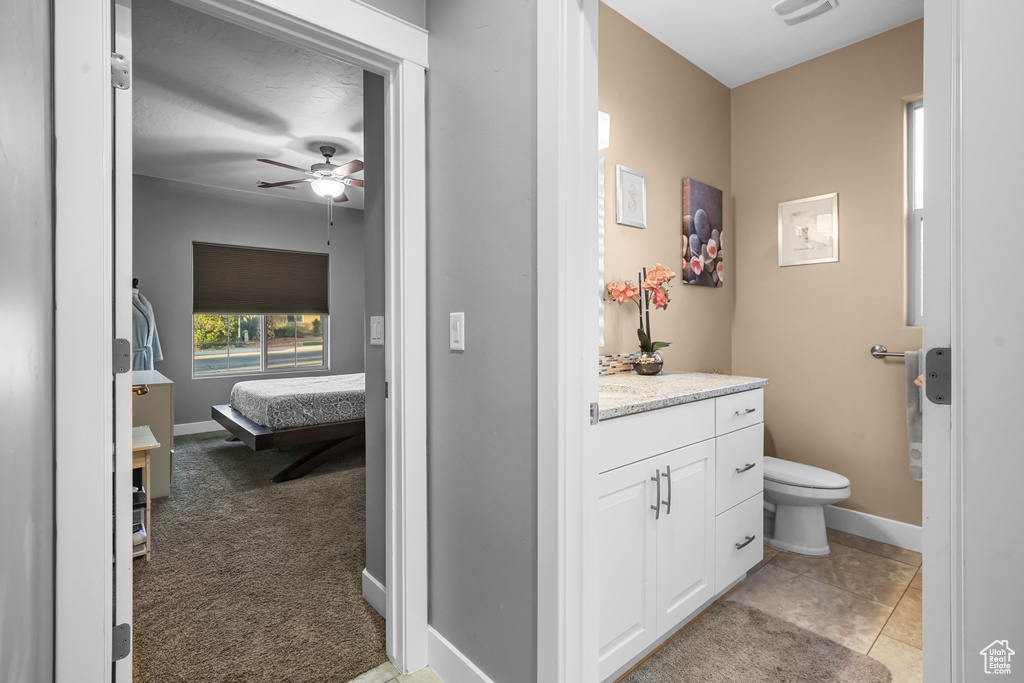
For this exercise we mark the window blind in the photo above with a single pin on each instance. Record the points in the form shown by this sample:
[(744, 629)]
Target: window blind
[(233, 279)]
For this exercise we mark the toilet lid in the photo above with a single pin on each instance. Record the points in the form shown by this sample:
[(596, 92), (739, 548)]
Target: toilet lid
[(798, 474)]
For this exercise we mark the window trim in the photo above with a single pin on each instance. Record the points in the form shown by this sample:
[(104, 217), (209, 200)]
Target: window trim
[(914, 227), (265, 369)]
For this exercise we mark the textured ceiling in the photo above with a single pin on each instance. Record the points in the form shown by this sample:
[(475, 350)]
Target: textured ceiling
[(738, 41), (211, 97)]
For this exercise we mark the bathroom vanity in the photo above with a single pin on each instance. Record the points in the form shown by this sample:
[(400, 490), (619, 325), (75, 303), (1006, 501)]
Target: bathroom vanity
[(679, 515)]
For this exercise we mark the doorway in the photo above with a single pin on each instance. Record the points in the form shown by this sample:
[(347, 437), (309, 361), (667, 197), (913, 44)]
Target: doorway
[(93, 246)]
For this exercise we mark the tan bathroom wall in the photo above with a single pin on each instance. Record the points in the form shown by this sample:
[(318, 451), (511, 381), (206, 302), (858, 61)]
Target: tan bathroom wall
[(669, 120), (833, 124)]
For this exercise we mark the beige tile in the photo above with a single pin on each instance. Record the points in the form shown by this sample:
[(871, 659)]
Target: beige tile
[(385, 673), (865, 574), (905, 623), (893, 552), (848, 619), (424, 675), (905, 662), (770, 551), (918, 580)]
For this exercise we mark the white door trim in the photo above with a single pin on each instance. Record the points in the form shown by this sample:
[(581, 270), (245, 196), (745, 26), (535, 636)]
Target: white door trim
[(942, 504), (82, 123), (566, 304)]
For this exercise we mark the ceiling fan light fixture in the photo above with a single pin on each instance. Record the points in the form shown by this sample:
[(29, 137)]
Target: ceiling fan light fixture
[(328, 187)]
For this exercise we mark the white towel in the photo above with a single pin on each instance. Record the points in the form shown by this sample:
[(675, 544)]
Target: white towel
[(914, 361)]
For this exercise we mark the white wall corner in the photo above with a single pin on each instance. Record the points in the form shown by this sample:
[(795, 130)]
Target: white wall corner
[(374, 593), (450, 664), (881, 529), (187, 428)]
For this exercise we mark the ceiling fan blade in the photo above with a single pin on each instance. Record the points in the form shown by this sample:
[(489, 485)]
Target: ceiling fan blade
[(278, 163), (354, 166), (263, 183), (355, 181), (341, 198)]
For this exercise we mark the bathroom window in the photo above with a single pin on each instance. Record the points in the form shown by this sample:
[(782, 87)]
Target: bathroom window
[(915, 213)]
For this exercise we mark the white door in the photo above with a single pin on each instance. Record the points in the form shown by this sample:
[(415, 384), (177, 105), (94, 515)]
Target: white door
[(627, 558), (686, 532), (122, 295), (972, 465)]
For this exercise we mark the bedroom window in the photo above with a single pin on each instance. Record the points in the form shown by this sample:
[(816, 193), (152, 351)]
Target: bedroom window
[(915, 213), (250, 343), (271, 284)]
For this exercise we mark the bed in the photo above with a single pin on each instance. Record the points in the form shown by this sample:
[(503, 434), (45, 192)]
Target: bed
[(326, 413)]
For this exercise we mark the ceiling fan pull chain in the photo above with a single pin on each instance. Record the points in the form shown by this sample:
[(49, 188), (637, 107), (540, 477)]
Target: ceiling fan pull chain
[(330, 219)]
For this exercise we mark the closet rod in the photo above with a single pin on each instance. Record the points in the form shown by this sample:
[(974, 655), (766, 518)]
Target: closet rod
[(879, 351)]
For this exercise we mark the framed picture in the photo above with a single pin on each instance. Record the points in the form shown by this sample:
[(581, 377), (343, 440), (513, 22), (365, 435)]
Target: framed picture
[(702, 234), (630, 197), (809, 230)]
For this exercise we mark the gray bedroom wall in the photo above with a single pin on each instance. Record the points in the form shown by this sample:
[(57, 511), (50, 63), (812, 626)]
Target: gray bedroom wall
[(26, 349), (373, 216), (481, 245), (412, 11), (168, 216)]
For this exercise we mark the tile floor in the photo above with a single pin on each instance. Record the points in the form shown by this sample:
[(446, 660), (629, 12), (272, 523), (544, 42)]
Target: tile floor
[(387, 673), (865, 595)]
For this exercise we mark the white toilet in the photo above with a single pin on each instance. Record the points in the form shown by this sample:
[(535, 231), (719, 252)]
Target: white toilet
[(797, 494)]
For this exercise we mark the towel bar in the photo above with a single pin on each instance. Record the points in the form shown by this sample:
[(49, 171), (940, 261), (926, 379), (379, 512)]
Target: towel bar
[(879, 351)]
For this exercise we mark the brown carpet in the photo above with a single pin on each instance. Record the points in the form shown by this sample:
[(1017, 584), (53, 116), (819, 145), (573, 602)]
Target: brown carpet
[(736, 643), (254, 581)]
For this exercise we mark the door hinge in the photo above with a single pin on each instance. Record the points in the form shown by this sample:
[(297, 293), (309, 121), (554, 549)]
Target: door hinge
[(595, 413), (385, 389), (938, 380), (120, 71), (121, 638), (122, 356)]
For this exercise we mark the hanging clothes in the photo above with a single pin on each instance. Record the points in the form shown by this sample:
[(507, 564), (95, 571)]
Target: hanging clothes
[(145, 340)]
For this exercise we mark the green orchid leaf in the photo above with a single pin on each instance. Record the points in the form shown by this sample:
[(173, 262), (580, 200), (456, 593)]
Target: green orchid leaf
[(659, 345), (645, 341)]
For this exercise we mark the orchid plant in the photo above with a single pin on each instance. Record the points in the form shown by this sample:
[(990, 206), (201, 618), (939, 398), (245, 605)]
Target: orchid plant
[(653, 290)]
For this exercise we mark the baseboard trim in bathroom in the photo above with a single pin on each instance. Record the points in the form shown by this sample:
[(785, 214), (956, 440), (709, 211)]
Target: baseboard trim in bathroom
[(881, 529)]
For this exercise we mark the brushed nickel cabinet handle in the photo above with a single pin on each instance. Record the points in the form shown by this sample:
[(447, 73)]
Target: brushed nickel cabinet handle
[(745, 543), (657, 506), (750, 466), (668, 478), (748, 411)]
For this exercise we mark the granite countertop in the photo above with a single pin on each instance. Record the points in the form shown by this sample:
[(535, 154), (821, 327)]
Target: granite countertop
[(629, 393)]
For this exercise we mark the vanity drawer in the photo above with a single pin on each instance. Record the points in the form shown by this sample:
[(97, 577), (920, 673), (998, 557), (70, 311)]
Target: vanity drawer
[(624, 440), (739, 472), (737, 411), (738, 540)]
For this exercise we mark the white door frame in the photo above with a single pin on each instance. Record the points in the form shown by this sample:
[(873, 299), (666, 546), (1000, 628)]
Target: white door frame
[(84, 289), (567, 333)]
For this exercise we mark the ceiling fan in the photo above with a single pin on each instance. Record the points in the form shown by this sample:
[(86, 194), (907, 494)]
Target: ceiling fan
[(328, 180)]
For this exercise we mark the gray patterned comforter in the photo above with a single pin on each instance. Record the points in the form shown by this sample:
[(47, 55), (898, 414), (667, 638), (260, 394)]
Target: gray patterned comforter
[(301, 401)]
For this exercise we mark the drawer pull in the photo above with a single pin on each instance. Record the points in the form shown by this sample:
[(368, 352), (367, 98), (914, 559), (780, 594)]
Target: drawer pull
[(750, 539), (748, 411), (750, 466), (657, 505)]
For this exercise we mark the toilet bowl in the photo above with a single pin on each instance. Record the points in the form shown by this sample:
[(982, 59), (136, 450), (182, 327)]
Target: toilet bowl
[(799, 493)]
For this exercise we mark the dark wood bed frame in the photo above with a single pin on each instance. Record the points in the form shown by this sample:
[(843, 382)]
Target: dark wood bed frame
[(331, 439)]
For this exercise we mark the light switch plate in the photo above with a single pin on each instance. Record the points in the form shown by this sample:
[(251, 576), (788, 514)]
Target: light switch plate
[(457, 331), (376, 330)]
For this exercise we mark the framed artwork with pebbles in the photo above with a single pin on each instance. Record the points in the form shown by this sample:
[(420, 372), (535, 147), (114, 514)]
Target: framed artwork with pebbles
[(702, 234)]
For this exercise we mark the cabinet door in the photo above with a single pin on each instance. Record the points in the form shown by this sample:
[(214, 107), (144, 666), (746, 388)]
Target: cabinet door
[(686, 552), (627, 556)]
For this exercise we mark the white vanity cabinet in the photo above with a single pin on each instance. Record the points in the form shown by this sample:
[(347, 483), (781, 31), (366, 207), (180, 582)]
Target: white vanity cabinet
[(679, 495)]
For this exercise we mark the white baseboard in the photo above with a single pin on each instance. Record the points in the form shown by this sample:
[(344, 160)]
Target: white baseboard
[(881, 529), (450, 664), (374, 593), (198, 428)]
